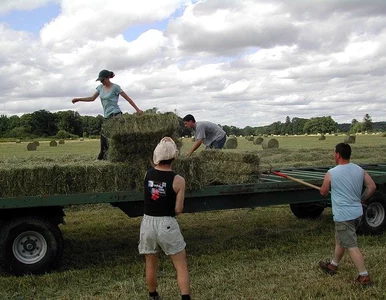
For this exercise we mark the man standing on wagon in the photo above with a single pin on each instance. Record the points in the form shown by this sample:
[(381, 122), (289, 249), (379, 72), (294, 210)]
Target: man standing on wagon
[(207, 133)]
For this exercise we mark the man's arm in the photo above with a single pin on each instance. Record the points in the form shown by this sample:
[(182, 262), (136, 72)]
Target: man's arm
[(369, 187), (325, 188), (179, 188), (196, 145)]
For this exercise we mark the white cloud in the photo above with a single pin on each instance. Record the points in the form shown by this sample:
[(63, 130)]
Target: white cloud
[(231, 62)]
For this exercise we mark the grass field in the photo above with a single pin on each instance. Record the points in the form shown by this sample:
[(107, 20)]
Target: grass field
[(265, 253)]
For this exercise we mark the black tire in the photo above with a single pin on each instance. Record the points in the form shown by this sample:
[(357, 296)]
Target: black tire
[(30, 245), (307, 210), (374, 215)]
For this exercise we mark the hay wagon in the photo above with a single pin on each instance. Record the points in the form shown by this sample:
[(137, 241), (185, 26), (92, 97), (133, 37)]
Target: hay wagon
[(31, 241)]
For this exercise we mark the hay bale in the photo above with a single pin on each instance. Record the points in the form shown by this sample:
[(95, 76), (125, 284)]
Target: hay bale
[(36, 143), (53, 143), (350, 139), (81, 139), (18, 141), (31, 147), (61, 142), (231, 143), (135, 136), (322, 137), (383, 134), (258, 140), (270, 143)]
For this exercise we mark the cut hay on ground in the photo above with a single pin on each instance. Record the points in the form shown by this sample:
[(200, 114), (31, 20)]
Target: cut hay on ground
[(231, 143), (350, 139), (270, 143)]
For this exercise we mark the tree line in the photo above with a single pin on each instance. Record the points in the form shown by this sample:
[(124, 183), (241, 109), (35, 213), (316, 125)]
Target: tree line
[(66, 124)]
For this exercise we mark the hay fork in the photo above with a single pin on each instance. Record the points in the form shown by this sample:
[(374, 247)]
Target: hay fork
[(292, 178)]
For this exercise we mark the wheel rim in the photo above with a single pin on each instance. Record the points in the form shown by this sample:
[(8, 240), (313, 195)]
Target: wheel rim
[(29, 247), (375, 214)]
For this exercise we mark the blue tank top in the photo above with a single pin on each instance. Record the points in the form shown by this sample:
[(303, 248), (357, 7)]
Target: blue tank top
[(346, 191)]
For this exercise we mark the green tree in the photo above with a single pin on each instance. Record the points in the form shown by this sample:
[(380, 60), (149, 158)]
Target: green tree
[(4, 125), (320, 125), (43, 123), (70, 121), (367, 123)]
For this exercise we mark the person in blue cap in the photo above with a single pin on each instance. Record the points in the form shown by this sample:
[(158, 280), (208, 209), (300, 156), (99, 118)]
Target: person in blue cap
[(109, 93)]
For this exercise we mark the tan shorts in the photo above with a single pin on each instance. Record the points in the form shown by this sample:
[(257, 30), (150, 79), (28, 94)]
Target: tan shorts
[(345, 232), (160, 233)]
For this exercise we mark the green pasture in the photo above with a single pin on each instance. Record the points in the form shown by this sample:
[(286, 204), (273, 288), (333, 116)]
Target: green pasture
[(264, 253)]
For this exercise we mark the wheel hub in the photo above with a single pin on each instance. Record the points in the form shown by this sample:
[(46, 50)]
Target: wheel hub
[(29, 247)]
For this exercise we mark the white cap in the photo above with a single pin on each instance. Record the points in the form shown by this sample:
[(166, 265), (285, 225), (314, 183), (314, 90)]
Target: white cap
[(165, 150)]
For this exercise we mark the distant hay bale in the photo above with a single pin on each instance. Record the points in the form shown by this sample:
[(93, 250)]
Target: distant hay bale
[(31, 147), (18, 141), (231, 143), (383, 134), (265, 135), (322, 137), (81, 139), (53, 143), (258, 140), (37, 143), (350, 139), (61, 142), (270, 143), (336, 134)]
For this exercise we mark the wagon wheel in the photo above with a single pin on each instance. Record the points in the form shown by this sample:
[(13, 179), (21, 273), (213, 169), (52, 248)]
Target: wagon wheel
[(374, 217), (30, 245)]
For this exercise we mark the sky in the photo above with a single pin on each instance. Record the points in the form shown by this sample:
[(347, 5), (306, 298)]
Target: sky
[(232, 62)]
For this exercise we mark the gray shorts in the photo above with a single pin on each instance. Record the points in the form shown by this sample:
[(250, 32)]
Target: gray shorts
[(160, 233), (345, 232)]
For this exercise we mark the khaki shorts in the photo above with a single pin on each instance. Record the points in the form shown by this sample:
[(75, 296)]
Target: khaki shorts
[(158, 233), (345, 232)]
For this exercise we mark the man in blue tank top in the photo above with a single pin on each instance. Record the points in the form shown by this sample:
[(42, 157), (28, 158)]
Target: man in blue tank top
[(346, 181), (164, 199)]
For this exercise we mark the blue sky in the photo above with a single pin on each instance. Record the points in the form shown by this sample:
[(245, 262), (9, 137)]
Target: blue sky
[(31, 20)]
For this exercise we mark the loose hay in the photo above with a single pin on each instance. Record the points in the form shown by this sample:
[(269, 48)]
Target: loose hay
[(231, 143), (31, 147), (350, 139), (270, 143), (53, 143), (258, 140)]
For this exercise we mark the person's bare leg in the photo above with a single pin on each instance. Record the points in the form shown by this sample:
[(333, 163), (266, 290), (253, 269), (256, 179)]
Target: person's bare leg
[(151, 271), (357, 259), (339, 251), (181, 266)]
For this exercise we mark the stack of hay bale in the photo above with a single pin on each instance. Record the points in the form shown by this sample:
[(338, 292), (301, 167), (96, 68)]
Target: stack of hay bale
[(132, 140)]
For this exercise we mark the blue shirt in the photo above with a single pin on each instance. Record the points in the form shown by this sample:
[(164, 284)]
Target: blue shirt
[(346, 190), (110, 99)]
